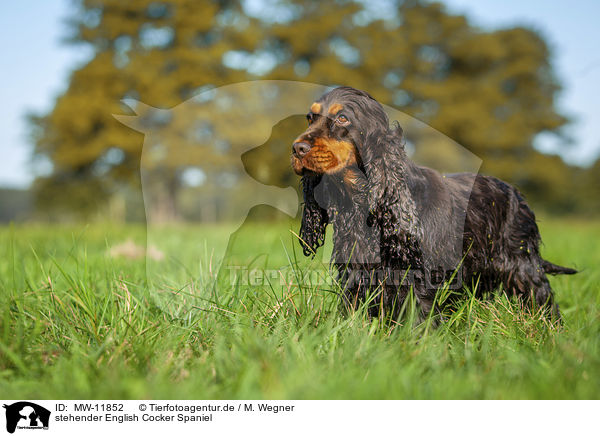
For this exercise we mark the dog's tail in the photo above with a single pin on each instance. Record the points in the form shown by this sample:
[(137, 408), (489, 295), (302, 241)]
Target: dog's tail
[(550, 268)]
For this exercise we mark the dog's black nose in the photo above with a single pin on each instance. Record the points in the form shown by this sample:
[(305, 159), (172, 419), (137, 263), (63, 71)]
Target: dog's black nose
[(301, 148)]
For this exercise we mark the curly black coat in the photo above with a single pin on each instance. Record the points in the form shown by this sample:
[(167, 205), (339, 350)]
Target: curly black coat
[(398, 225)]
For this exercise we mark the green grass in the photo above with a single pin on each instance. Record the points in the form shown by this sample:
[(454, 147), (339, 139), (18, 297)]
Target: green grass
[(77, 323)]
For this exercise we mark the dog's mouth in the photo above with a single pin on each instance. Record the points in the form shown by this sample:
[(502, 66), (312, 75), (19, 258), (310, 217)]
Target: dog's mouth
[(297, 165), (325, 156), (303, 168), (309, 164)]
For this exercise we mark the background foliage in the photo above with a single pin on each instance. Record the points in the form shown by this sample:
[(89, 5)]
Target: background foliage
[(492, 92)]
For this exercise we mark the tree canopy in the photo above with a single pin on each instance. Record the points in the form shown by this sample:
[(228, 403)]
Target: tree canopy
[(492, 91)]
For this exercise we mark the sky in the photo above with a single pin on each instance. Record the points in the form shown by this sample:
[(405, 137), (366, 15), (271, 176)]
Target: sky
[(36, 66)]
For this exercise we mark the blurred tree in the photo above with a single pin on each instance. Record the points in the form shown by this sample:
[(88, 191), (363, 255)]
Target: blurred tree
[(157, 52), (587, 189), (491, 91)]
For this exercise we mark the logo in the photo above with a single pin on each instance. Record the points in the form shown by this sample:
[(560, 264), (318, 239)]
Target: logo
[(229, 149), (26, 415)]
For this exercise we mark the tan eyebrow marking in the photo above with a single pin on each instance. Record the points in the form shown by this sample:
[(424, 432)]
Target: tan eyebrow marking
[(335, 108), (316, 108)]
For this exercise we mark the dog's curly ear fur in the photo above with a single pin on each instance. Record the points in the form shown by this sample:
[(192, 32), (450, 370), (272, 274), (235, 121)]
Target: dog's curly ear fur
[(384, 158), (314, 218), (391, 205)]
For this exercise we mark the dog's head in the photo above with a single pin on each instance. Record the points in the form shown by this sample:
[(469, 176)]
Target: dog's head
[(348, 140), (339, 125)]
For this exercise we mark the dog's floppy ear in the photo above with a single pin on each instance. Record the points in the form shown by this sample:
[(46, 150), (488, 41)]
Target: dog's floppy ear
[(383, 158), (391, 206), (314, 218)]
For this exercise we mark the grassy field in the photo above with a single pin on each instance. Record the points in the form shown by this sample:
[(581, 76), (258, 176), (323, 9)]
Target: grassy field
[(76, 322)]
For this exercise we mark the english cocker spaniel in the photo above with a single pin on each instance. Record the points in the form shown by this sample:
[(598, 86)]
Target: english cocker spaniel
[(399, 226)]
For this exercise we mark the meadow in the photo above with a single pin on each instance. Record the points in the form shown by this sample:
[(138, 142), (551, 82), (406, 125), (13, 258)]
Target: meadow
[(78, 322)]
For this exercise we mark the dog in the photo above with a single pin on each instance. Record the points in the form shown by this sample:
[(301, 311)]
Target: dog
[(398, 226)]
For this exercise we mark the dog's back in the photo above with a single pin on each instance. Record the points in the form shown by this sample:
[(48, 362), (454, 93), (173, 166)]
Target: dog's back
[(485, 224)]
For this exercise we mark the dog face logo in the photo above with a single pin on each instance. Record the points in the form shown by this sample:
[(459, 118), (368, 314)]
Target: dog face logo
[(26, 415), (232, 141)]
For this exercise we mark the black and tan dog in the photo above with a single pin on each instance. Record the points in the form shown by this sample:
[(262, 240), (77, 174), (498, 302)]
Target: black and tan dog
[(398, 225)]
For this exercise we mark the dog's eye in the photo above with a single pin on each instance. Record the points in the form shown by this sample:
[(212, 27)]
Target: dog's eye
[(309, 118), (342, 120)]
